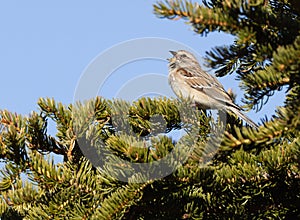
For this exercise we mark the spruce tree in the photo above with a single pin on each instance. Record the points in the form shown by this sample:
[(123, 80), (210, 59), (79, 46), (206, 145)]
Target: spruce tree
[(253, 174)]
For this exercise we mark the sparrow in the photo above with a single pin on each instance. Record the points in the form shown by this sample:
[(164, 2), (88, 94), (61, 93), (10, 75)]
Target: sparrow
[(188, 80)]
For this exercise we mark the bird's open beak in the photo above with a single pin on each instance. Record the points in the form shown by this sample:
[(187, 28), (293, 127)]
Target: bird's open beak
[(173, 52), (172, 58)]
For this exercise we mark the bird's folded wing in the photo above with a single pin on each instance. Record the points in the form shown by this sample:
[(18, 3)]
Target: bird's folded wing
[(209, 85)]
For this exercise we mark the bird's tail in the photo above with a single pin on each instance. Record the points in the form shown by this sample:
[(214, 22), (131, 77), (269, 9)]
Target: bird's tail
[(244, 117)]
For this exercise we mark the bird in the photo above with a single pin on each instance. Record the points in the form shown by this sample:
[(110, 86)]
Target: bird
[(188, 80)]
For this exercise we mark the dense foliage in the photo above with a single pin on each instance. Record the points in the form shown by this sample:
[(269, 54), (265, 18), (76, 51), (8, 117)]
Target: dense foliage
[(253, 174)]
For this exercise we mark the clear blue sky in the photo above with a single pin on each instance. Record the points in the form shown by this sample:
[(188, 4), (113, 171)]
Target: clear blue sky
[(46, 45)]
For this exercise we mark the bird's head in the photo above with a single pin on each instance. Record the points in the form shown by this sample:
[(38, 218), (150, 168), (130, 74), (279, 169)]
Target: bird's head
[(181, 58)]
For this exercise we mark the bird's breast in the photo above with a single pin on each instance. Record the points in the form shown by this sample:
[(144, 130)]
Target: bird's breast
[(178, 85)]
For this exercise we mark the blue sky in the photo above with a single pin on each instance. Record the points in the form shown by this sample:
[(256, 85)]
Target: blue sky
[(47, 45)]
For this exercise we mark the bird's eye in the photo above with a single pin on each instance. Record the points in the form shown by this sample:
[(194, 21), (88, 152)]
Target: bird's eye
[(183, 56)]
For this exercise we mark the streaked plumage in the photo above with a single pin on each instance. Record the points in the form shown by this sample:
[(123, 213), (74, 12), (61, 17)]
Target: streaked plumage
[(187, 79)]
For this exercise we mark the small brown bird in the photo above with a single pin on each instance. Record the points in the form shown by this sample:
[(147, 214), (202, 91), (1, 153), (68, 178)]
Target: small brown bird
[(187, 79)]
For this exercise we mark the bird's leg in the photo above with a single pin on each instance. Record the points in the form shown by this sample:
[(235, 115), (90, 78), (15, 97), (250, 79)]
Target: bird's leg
[(223, 115)]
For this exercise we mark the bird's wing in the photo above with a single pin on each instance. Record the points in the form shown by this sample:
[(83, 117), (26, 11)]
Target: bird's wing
[(208, 84)]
